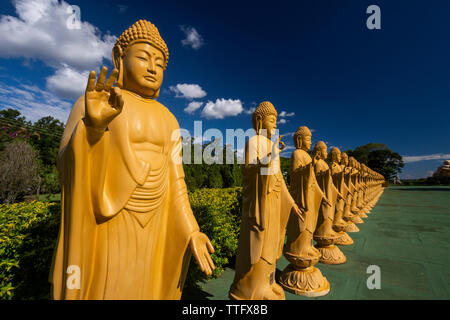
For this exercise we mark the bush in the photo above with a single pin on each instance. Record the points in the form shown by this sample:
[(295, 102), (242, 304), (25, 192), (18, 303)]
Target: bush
[(29, 231), (218, 213)]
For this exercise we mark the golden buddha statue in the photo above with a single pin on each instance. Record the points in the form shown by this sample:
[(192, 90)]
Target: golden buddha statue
[(267, 205), (354, 172), (362, 189), (324, 235), (127, 228), (300, 276), (364, 201), (337, 172), (348, 216)]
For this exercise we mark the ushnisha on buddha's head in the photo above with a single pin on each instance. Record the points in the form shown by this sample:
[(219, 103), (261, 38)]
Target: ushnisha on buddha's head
[(344, 159), (141, 56), (320, 150), (264, 119), (335, 155), (302, 138)]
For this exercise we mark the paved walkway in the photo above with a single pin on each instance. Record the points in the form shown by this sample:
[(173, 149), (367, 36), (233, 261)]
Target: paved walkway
[(407, 235)]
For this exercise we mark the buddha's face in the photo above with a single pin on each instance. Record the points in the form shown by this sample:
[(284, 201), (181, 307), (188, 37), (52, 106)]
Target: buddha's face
[(323, 153), (306, 142), (344, 159), (269, 123), (336, 157), (143, 69)]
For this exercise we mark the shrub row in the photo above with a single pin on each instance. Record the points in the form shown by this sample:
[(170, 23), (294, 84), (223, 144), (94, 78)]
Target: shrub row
[(29, 231)]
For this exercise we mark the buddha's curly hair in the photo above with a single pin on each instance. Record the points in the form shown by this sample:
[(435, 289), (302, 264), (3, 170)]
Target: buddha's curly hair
[(143, 30), (301, 132), (264, 109), (319, 145)]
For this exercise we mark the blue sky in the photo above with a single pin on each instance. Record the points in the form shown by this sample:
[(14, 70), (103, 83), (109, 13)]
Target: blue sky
[(314, 60)]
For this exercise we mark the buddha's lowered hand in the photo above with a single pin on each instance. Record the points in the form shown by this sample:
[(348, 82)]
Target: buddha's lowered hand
[(201, 247), (103, 102)]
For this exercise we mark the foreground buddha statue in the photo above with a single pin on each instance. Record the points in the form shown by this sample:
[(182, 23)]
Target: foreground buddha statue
[(266, 208), (348, 216), (324, 235), (337, 172), (127, 228), (300, 276)]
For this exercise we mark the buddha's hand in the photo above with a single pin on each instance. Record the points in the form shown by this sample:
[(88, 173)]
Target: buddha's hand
[(281, 144), (201, 247), (327, 202), (299, 212), (103, 102)]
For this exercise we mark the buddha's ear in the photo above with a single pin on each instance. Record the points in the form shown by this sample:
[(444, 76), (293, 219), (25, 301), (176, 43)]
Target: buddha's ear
[(258, 124), (299, 142), (118, 64)]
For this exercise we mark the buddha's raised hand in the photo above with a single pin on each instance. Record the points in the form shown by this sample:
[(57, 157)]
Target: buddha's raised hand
[(103, 102)]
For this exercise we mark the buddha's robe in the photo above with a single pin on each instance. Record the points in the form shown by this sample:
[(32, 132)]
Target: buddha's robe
[(354, 179), (308, 197), (337, 172), (325, 182), (126, 219), (266, 207), (351, 191)]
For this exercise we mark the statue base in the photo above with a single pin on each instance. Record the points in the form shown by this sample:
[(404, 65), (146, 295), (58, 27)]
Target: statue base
[(331, 254), (356, 219), (344, 239), (308, 282), (351, 227)]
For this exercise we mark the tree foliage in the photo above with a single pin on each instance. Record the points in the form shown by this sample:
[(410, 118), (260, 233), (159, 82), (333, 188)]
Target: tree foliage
[(44, 136), (380, 158), (18, 171)]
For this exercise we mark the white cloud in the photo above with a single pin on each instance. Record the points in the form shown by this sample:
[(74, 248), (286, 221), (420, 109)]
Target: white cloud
[(281, 121), (250, 111), (40, 32), (67, 82), (188, 91), (193, 38), (438, 156), (222, 108), (193, 106), (33, 102), (286, 114)]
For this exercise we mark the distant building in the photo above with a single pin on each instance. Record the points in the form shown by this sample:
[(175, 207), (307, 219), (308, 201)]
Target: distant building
[(444, 170)]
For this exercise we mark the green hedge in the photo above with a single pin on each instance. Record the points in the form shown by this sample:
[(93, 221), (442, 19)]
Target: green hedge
[(218, 213), (28, 233)]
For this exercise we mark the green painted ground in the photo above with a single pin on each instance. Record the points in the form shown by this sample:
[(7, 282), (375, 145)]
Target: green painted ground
[(407, 235)]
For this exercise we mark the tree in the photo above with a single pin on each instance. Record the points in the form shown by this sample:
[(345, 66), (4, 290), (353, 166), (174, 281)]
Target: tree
[(18, 171), (12, 126), (49, 132), (380, 158)]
